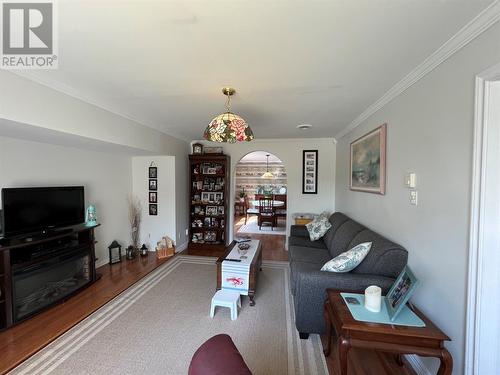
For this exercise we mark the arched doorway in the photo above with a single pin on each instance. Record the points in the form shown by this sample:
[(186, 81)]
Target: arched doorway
[(252, 186)]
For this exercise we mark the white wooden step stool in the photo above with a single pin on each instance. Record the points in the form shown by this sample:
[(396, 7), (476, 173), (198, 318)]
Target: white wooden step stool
[(226, 298)]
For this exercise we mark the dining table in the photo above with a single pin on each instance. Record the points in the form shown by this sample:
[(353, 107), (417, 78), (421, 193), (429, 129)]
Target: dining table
[(275, 203)]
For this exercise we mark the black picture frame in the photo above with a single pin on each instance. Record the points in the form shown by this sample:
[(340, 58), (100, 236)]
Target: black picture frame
[(153, 197), (153, 172), (153, 209), (400, 292), (153, 184), (310, 172)]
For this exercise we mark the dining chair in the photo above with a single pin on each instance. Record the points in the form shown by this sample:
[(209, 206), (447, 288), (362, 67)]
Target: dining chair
[(266, 213), (281, 210), (249, 210)]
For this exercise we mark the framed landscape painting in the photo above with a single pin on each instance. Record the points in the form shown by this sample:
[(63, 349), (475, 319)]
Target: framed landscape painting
[(368, 162)]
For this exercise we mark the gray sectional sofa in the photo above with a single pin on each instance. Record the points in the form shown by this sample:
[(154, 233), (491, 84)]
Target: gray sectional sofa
[(381, 266)]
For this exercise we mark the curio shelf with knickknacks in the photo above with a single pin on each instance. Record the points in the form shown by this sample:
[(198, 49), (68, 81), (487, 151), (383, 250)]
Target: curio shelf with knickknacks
[(209, 199)]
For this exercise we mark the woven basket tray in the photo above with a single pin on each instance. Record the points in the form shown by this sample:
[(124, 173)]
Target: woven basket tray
[(165, 253)]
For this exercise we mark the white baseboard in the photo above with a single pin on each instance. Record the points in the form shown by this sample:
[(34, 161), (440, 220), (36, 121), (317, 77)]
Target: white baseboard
[(417, 364), (182, 247), (100, 263)]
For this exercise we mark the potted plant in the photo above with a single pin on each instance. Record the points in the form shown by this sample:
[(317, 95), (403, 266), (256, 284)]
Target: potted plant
[(242, 195), (134, 215)]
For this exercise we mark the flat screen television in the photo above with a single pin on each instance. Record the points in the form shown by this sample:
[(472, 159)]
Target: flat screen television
[(40, 209)]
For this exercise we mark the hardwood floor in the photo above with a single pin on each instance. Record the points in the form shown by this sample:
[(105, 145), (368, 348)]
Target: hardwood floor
[(21, 341), (25, 339)]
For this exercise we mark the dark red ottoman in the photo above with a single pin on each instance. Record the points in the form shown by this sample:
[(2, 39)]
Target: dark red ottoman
[(218, 356)]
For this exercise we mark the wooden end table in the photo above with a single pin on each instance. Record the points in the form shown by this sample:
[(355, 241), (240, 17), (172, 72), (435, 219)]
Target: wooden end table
[(425, 341), (255, 267)]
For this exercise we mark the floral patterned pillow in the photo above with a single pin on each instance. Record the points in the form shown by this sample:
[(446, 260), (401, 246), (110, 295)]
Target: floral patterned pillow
[(318, 227), (348, 260)]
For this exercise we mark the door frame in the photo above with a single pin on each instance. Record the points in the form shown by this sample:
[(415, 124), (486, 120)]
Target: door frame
[(478, 252)]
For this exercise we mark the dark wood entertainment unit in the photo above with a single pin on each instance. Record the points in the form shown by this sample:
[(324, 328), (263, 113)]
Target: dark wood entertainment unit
[(39, 272)]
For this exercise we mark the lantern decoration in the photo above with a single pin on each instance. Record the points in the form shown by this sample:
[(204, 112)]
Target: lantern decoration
[(115, 252), (90, 216), (144, 250)]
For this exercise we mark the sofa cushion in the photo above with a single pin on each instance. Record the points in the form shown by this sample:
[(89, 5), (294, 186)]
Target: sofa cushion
[(336, 220), (308, 255), (385, 258), (348, 260), (306, 242), (344, 236), (318, 227)]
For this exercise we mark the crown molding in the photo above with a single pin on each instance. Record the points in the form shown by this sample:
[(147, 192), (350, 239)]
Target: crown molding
[(75, 94), (483, 21)]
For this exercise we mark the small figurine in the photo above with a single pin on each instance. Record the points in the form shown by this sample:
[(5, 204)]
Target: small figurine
[(91, 216)]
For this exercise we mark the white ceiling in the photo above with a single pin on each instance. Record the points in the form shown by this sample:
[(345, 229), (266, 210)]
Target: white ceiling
[(163, 63)]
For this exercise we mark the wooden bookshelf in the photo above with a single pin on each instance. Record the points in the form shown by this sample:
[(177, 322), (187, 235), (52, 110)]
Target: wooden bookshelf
[(209, 199)]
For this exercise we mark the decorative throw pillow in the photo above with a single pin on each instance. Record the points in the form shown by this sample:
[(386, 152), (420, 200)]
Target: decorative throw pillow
[(318, 227), (348, 260)]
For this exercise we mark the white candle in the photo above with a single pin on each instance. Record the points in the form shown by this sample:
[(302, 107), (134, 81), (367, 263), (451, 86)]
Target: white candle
[(373, 298)]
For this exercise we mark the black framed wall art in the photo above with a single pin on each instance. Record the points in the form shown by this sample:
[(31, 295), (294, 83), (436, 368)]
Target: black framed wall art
[(310, 172)]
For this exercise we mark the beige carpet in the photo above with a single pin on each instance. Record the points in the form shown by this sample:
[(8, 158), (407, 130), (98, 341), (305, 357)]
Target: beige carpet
[(252, 227), (155, 326)]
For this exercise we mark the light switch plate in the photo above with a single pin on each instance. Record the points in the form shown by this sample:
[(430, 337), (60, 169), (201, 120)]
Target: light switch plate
[(413, 197), (411, 180)]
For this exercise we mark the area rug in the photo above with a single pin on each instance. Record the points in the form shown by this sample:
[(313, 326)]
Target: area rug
[(156, 325), (252, 227)]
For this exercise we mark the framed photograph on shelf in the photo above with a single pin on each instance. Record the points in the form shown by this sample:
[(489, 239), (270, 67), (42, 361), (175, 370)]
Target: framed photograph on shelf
[(211, 170), (153, 184), (153, 172), (153, 197), (153, 209), (211, 210), (367, 169), (205, 197), (210, 236), (218, 198), (310, 172), (213, 150), (220, 210)]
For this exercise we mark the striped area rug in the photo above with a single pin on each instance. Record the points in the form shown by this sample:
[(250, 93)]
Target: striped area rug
[(156, 325)]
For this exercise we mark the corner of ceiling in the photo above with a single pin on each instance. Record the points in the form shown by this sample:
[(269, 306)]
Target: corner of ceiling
[(482, 22)]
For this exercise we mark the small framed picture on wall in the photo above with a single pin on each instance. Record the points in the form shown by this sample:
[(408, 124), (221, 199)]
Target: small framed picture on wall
[(153, 184), (153, 197), (153, 209), (310, 172), (153, 172)]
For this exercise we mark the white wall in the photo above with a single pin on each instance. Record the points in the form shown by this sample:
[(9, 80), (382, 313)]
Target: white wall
[(155, 227), (106, 178), (290, 152), (49, 111), (430, 132)]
